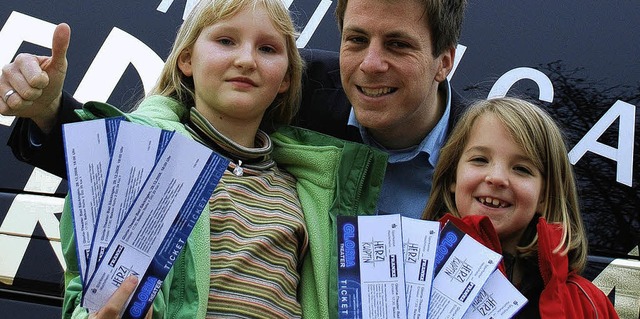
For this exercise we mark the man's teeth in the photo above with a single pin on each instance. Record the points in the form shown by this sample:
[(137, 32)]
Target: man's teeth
[(375, 92), (494, 202)]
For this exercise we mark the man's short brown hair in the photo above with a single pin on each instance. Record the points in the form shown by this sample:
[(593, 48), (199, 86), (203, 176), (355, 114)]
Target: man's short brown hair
[(444, 18)]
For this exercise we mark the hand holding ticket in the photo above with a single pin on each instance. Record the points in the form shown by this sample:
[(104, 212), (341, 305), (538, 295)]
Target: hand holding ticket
[(117, 302)]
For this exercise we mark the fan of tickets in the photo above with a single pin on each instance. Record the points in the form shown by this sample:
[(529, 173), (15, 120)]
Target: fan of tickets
[(136, 193), (397, 267)]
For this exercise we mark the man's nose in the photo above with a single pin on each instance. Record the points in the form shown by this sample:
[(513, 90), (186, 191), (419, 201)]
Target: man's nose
[(375, 59)]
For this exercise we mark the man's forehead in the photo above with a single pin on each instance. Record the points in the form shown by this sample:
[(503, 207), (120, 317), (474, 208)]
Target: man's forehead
[(385, 10), (390, 21)]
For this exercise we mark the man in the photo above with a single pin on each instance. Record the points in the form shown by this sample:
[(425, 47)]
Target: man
[(387, 89)]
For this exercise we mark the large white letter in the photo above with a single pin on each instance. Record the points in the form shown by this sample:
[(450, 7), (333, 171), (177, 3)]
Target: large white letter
[(624, 153), (25, 212), (460, 49), (507, 80), (16, 230), (118, 51), (313, 22), (165, 4)]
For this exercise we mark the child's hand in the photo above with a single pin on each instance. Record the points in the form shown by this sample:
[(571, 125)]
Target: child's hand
[(115, 305)]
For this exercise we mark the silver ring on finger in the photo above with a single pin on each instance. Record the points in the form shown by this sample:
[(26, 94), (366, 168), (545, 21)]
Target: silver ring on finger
[(6, 96)]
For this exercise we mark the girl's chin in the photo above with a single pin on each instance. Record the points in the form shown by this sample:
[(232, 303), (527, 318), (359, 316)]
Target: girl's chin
[(482, 211)]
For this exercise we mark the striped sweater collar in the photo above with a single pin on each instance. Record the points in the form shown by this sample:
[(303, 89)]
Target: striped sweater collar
[(252, 157)]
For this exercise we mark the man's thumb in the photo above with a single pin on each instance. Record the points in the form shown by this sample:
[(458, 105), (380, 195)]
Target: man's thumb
[(59, 46)]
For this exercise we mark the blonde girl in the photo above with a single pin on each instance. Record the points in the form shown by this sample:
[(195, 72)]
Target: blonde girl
[(506, 159)]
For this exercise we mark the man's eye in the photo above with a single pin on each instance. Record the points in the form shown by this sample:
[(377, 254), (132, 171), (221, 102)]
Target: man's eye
[(357, 40), (398, 44)]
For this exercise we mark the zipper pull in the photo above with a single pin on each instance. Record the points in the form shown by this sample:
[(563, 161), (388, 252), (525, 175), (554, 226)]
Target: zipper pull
[(238, 171)]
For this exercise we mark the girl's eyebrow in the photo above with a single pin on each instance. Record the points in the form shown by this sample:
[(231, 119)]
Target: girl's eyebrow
[(480, 148), (222, 27)]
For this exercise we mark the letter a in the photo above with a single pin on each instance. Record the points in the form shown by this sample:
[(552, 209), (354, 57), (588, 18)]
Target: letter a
[(624, 153)]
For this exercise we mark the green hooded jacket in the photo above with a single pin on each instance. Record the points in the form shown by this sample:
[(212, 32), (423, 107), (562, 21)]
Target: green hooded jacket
[(334, 177)]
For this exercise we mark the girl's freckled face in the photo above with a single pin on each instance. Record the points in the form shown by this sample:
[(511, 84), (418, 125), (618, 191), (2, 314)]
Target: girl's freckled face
[(494, 177), (239, 65)]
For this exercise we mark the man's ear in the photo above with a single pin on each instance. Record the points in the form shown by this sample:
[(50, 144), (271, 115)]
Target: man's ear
[(286, 83), (184, 62), (446, 63)]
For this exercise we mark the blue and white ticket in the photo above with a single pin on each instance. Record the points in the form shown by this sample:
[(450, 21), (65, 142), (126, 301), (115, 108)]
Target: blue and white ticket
[(370, 267), (136, 149), (420, 239), (88, 147), (155, 229), (462, 267)]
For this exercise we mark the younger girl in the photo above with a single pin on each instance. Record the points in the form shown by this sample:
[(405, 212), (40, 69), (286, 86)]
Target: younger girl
[(234, 67), (506, 160)]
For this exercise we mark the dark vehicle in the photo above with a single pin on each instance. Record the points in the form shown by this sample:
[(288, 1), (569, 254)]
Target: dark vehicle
[(578, 58)]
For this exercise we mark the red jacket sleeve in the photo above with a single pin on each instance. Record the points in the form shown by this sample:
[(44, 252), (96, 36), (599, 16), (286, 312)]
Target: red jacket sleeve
[(566, 295)]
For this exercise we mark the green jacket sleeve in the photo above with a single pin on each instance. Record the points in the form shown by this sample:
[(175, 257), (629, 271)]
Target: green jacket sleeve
[(334, 177)]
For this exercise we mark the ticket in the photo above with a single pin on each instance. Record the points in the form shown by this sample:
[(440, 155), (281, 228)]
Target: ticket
[(420, 239), (87, 146), (370, 267), (136, 149), (498, 299), (462, 267)]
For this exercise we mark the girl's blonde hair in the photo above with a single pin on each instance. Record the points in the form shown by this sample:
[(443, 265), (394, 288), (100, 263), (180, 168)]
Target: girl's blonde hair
[(541, 139), (173, 83)]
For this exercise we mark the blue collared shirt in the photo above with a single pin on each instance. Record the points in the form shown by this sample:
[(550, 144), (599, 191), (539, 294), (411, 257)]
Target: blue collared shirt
[(407, 181)]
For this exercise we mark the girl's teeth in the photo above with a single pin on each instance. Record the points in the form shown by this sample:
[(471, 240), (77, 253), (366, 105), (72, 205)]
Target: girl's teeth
[(494, 202)]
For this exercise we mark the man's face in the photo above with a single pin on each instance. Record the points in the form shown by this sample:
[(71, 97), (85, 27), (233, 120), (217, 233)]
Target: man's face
[(388, 70)]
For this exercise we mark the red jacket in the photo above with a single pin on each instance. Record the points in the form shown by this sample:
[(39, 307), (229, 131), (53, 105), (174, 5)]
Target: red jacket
[(565, 294)]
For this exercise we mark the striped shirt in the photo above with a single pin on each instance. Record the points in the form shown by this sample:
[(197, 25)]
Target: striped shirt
[(258, 234)]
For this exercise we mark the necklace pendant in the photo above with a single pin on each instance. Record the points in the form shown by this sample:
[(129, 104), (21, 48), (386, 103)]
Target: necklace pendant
[(238, 171)]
